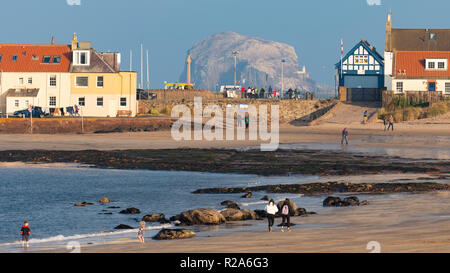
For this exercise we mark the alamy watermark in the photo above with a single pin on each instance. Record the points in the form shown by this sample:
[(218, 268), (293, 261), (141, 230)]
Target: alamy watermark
[(252, 123)]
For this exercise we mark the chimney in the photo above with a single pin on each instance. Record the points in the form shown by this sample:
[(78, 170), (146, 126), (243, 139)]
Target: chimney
[(53, 40), (388, 45), (74, 42), (188, 70)]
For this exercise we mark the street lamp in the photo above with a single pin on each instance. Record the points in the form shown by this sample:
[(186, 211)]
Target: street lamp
[(235, 54), (282, 76)]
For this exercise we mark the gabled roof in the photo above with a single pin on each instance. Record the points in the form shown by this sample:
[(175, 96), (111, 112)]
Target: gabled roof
[(412, 64), (22, 92), (419, 39), (99, 63), (29, 58), (372, 51)]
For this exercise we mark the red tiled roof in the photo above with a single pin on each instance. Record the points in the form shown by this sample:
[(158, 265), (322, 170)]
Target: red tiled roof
[(29, 58), (412, 63)]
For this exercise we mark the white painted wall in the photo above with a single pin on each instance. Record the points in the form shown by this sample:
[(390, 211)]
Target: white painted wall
[(388, 61), (40, 81), (23, 103), (111, 103), (418, 85)]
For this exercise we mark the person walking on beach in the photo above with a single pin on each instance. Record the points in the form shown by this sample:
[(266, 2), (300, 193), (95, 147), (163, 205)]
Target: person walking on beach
[(344, 136), (247, 120), (286, 216), (239, 120), (25, 232), (271, 210), (365, 117), (141, 232), (391, 122)]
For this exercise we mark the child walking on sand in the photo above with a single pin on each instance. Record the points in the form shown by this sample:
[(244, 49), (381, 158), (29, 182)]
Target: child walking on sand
[(141, 232), (25, 232), (271, 210)]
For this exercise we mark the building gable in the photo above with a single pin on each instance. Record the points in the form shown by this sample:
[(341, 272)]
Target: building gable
[(362, 59)]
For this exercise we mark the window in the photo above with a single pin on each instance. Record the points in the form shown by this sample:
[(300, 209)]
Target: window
[(123, 101), (430, 65), (52, 101), (100, 81), (46, 59), (81, 57), (99, 101), (399, 86), (30, 80), (82, 81), (56, 59), (27, 103), (432, 36), (52, 81), (436, 64), (1, 58), (441, 65), (16, 103), (361, 59), (447, 88), (20, 81), (14, 58), (82, 101)]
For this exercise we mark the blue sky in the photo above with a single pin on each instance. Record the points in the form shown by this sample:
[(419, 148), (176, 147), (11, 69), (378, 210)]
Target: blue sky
[(168, 28)]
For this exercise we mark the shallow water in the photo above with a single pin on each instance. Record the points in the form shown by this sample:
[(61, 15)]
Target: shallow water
[(45, 196)]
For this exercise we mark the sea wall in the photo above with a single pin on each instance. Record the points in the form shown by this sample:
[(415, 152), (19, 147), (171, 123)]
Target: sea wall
[(289, 110), (78, 125)]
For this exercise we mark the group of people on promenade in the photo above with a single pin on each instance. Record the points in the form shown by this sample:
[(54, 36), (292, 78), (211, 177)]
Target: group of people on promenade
[(256, 93)]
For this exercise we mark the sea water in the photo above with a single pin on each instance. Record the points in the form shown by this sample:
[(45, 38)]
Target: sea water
[(45, 196)]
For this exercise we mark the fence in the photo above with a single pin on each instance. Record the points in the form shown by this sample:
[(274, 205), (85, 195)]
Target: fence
[(412, 97)]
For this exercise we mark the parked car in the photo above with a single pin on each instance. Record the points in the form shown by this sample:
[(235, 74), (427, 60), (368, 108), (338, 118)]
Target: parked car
[(36, 112), (142, 94)]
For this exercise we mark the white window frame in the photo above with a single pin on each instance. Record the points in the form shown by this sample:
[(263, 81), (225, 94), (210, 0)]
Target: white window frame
[(399, 89), (120, 101), (447, 88), (77, 57), (21, 81), (50, 101), (50, 81), (16, 103), (103, 102), (103, 81), (84, 101), (436, 64), (81, 86), (30, 80)]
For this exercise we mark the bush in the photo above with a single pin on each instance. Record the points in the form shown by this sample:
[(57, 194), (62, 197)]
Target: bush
[(154, 112)]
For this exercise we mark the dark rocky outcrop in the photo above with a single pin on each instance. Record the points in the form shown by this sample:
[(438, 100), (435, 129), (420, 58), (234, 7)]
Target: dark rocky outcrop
[(230, 204), (247, 195), (155, 217), (123, 226), (351, 201), (82, 204), (170, 234), (265, 198), (130, 211), (332, 201)]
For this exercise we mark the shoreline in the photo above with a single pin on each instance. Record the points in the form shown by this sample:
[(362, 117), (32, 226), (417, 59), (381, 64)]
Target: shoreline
[(397, 223)]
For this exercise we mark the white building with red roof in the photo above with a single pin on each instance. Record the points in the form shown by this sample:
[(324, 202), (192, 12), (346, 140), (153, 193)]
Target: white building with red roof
[(40, 67), (417, 59)]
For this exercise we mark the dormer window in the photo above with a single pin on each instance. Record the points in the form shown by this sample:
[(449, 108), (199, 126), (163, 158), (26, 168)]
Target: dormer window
[(46, 59), (436, 64), (56, 59), (81, 57), (14, 58)]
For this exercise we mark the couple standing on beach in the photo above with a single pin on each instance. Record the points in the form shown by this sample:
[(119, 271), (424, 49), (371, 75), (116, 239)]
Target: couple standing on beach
[(272, 209)]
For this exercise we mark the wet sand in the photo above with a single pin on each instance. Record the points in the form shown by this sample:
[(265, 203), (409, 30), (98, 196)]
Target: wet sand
[(402, 223)]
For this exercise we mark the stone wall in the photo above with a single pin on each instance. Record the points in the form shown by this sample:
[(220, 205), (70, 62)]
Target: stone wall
[(289, 110)]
